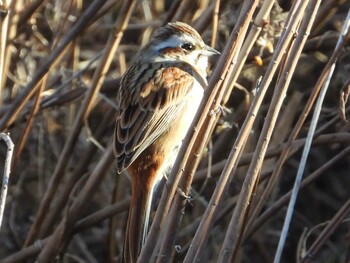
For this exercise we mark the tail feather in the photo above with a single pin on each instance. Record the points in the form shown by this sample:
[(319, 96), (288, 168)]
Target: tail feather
[(138, 219)]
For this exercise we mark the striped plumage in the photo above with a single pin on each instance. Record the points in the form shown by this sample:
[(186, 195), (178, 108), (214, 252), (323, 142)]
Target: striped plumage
[(158, 99)]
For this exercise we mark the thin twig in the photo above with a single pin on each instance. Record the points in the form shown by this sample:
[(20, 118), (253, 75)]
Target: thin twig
[(32, 86), (326, 233), (64, 230), (259, 22), (62, 197), (26, 131), (4, 27), (215, 23), (81, 225), (201, 236), (236, 227), (293, 135), (7, 171), (271, 211), (67, 150), (306, 151)]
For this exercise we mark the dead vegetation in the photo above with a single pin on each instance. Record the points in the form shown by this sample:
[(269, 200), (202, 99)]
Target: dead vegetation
[(227, 196)]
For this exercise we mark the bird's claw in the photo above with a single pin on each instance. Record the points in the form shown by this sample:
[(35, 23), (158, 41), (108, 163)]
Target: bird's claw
[(221, 109)]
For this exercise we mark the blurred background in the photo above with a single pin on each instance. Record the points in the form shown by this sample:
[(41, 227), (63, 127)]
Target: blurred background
[(61, 63)]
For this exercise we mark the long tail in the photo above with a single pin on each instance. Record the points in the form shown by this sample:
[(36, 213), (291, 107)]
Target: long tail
[(138, 219)]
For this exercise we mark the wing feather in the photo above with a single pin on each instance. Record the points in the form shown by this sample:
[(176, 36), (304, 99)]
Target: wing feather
[(145, 111)]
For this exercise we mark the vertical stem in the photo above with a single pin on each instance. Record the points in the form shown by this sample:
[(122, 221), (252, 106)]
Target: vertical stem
[(4, 25), (7, 171), (306, 151)]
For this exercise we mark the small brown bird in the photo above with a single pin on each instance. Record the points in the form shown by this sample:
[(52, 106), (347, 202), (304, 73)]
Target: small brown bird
[(158, 99)]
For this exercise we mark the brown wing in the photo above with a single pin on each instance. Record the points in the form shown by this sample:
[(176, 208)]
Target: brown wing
[(145, 112)]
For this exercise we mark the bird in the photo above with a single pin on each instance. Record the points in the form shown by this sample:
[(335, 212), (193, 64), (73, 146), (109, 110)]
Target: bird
[(158, 98)]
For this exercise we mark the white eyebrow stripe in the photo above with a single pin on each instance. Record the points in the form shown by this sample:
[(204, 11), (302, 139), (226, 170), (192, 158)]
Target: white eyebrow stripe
[(173, 41)]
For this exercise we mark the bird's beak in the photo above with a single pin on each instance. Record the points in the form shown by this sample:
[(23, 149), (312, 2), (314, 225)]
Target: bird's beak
[(209, 51)]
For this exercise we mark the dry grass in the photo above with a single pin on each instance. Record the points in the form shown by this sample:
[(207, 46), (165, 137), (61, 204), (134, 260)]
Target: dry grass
[(226, 198)]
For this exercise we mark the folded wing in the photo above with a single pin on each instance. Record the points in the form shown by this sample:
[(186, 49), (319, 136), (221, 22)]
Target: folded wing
[(146, 109)]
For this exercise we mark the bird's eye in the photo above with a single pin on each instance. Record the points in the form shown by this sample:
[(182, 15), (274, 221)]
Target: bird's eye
[(187, 46)]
